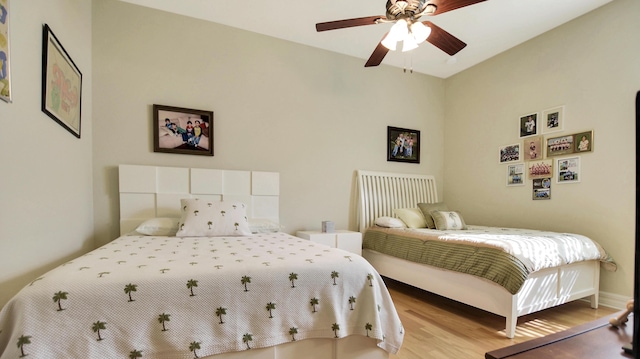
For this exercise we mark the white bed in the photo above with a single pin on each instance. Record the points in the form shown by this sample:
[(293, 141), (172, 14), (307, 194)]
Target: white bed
[(380, 193), (218, 317)]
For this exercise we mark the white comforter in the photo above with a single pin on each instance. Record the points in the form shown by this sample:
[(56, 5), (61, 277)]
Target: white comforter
[(168, 297), (535, 249)]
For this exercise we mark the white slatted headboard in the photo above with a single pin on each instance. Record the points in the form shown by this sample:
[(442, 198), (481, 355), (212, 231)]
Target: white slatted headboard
[(379, 193), (149, 191)]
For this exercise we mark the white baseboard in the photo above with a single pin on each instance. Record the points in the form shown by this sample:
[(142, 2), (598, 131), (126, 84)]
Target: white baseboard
[(614, 301)]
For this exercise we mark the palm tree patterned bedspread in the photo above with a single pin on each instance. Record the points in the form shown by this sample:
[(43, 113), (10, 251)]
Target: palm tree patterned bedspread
[(169, 297)]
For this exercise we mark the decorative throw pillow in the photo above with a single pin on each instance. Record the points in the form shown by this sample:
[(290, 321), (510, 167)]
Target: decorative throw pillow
[(426, 209), (389, 222), (445, 220), (159, 227), (203, 218), (412, 217)]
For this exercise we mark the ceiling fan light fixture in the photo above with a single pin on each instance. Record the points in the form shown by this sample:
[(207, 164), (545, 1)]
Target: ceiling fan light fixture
[(409, 43), (398, 32), (389, 42), (420, 32)]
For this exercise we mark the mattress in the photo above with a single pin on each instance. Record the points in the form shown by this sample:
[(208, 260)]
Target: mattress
[(170, 297), (504, 256)]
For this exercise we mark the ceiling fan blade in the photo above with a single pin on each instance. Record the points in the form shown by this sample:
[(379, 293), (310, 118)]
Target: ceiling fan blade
[(443, 6), (341, 24), (444, 40), (378, 54)]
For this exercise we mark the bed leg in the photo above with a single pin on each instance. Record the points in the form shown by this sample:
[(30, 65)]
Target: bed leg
[(594, 300), (510, 328), (512, 319)]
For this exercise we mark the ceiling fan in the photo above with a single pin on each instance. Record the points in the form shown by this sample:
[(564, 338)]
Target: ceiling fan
[(407, 28)]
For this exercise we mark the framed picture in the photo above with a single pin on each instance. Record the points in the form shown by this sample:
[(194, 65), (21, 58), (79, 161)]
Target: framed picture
[(403, 145), (182, 130), (560, 145), (5, 70), (539, 169), (553, 119), (515, 174), (568, 170), (509, 153), (528, 125), (541, 188), (583, 141), (532, 148), (61, 84)]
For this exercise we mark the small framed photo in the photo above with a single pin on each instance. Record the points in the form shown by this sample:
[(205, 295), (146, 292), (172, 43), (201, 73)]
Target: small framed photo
[(553, 119), (403, 145), (583, 141), (509, 153), (528, 125), (532, 148), (539, 169), (568, 170), (61, 84), (515, 174), (182, 130), (560, 145), (541, 188)]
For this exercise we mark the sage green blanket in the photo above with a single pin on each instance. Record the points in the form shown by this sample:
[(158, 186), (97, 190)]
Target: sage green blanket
[(489, 263), (505, 256)]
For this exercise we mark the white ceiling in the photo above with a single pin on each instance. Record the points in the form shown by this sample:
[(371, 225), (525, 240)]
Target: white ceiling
[(488, 28)]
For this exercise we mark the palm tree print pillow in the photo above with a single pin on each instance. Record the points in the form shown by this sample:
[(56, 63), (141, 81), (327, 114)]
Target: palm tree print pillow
[(204, 218), (446, 220)]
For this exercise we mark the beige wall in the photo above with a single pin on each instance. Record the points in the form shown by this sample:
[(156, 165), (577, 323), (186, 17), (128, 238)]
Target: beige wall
[(46, 203), (591, 67), (312, 115)]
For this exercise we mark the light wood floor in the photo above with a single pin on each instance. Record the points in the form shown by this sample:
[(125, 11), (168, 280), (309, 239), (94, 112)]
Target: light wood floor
[(438, 328)]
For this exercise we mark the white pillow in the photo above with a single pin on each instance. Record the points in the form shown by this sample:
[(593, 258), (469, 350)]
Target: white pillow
[(203, 218), (258, 225), (389, 222), (159, 227)]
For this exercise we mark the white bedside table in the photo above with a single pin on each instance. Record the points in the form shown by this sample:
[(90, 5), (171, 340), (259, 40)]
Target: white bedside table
[(347, 240)]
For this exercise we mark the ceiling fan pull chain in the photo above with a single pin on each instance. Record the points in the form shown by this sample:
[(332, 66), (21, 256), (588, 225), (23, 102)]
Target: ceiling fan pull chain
[(411, 63), (404, 69)]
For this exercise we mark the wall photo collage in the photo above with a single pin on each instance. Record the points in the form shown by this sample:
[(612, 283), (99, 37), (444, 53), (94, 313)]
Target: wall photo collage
[(544, 154)]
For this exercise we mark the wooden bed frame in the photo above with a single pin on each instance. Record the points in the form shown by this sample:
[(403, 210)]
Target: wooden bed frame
[(380, 193), (148, 192)]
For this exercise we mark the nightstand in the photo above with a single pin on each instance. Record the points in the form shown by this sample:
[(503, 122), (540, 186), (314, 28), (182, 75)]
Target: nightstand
[(347, 240)]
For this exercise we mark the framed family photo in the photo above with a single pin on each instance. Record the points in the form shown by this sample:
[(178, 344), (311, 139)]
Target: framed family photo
[(568, 170), (553, 119), (403, 145), (532, 148), (182, 130), (540, 169), (509, 153), (560, 145), (528, 125), (61, 84), (515, 174), (5, 69), (583, 141), (541, 188)]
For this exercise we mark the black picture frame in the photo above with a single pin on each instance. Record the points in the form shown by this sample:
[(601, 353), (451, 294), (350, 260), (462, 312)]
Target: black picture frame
[(403, 145), (174, 130), (61, 84)]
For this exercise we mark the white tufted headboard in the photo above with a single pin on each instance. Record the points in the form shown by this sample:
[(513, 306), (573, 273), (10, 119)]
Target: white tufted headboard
[(379, 193), (149, 191)]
